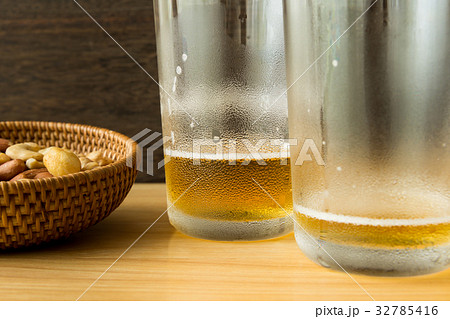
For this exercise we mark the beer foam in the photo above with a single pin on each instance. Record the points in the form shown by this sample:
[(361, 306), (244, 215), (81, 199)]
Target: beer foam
[(226, 156), (366, 221)]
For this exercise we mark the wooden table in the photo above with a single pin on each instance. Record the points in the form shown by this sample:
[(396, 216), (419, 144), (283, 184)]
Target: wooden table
[(167, 265)]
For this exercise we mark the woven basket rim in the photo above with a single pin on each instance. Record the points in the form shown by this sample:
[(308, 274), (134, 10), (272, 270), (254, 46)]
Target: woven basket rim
[(83, 174)]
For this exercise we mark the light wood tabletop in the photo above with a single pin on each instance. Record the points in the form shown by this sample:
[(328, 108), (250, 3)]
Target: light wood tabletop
[(167, 265)]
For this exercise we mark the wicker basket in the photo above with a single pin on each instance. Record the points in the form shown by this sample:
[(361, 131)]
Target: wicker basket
[(37, 211)]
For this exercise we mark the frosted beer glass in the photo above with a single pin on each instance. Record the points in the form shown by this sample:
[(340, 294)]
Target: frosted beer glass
[(221, 67), (376, 104)]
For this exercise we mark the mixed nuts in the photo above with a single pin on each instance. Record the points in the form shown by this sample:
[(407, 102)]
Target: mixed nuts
[(31, 161)]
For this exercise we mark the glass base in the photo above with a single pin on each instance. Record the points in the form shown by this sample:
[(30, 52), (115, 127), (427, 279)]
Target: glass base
[(229, 230), (374, 261)]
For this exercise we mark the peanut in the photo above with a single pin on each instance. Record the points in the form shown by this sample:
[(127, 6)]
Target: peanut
[(11, 169), (4, 158), (24, 151), (34, 164), (4, 144), (31, 174), (61, 162)]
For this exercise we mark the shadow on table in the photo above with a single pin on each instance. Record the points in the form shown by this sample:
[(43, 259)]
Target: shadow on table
[(116, 232)]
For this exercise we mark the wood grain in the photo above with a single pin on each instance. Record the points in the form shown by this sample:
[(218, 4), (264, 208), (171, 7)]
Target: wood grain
[(167, 265), (57, 65)]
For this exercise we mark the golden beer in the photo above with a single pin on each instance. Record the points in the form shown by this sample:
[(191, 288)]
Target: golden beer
[(375, 246), (225, 198), (227, 89), (375, 232), (388, 230)]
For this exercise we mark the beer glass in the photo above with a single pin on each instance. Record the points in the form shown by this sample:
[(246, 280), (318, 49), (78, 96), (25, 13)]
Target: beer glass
[(224, 115), (371, 90)]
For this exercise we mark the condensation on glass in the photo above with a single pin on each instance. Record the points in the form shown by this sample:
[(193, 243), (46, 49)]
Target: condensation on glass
[(222, 72), (375, 98)]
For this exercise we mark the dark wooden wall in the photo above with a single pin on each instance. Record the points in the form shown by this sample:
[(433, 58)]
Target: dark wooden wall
[(56, 64)]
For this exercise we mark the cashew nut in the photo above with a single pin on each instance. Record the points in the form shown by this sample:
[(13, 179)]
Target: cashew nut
[(98, 157), (84, 160), (45, 150), (24, 151), (34, 164), (4, 158), (89, 166), (61, 162), (33, 146)]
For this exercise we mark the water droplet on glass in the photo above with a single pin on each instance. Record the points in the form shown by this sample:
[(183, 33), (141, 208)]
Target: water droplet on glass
[(179, 70), (309, 110), (174, 87), (335, 63), (169, 106), (184, 57), (192, 125), (323, 142), (216, 136), (339, 168)]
